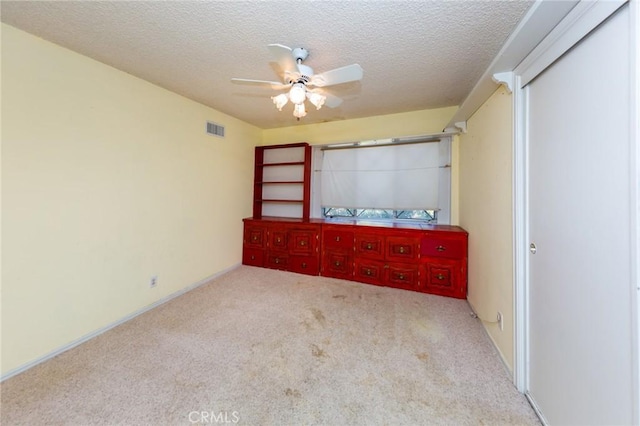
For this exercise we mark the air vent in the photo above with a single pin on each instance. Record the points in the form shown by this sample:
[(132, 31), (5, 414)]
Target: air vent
[(215, 129)]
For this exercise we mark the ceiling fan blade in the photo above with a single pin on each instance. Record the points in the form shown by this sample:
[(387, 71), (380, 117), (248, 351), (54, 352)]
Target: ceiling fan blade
[(283, 56), (332, 101), (274, 84), (338, 76)]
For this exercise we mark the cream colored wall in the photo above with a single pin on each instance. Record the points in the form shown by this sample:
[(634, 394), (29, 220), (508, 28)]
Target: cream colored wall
[(106, 181), (485, 192), (378, 127)]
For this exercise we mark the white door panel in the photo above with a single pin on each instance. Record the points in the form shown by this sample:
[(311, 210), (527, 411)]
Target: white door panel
[(580, 311)]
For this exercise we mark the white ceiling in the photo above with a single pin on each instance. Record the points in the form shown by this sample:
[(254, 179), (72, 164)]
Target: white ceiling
[(415, 54)]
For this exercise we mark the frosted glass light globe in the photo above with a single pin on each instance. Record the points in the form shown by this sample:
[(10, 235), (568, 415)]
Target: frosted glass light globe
[(298, 93), (299, 111), (280, 100), (316, 99)]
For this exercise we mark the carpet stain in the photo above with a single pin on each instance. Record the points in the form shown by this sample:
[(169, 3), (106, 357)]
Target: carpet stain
[(292, 392), (370, 380), (426, 329), (307, 325), (318, 352), (340, 296), (423, 356), (319, 316)]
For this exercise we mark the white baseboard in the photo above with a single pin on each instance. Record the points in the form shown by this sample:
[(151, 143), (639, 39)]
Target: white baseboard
[(493, 342), (536, 409), (108, 327)]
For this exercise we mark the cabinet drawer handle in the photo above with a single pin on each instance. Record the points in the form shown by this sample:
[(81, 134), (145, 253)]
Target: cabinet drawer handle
[(304, 265), (337, 263), (338, 238), (278, 240), (401, 277), (303, 242), (255, 238), (369, 246), (367, 272), (441, 248), (277, 260), (253, 257), (401, 249), (440, 277)]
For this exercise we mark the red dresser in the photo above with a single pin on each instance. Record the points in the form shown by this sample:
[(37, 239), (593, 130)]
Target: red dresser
[(411, 256)]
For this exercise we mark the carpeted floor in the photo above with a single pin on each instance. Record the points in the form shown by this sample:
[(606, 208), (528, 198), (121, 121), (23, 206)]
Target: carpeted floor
[(264, 347)]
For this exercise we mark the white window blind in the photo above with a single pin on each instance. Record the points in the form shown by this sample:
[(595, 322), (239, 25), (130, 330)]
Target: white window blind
[(398, 177)]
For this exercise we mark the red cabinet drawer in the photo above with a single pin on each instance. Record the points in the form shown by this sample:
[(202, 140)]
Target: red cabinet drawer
[(369, 271), (277, 260), (439, 276), (338, 238), (454, 247), (278, 239), (445, 277), (253, 257), (403, 276), (402, 248), (254, 236), (304, 265), (302, 241), (370, 246), (337, 265)]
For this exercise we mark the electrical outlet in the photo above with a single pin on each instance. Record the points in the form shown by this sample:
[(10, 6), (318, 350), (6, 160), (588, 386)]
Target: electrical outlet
[(500, 322), (153, 281)]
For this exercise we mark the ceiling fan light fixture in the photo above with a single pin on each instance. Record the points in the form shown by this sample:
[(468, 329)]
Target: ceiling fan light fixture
[(316, 99), (298, 93), (302, 81), (299, 111), (280, 100)]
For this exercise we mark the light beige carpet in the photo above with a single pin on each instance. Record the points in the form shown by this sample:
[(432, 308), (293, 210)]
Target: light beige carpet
[(263, 347)]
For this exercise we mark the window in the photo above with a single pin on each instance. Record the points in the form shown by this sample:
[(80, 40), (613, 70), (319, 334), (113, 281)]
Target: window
[(429, 216), (390, 181)]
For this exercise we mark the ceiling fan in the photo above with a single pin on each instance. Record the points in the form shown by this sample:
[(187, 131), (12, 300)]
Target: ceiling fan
[(302, 83)]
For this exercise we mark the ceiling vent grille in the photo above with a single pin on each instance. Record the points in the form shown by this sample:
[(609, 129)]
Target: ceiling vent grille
[(215, 129)]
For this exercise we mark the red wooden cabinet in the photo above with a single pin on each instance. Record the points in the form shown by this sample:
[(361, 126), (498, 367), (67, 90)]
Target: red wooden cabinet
[(337, 252), (429, 259), (303, 241), (444, 244), (277, 260), (254, 244), (387, 257), (278, 238), (444, 263), (303, 249), (402, 248), (253, 257), (370, 246), (369, 271), (285, 244), (403, 275), (255, 235)]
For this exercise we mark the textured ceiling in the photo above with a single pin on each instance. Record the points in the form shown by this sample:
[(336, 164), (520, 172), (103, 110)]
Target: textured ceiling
[(415, 54)]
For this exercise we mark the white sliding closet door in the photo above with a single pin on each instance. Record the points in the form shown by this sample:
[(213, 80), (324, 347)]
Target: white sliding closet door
[(580, 277)]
